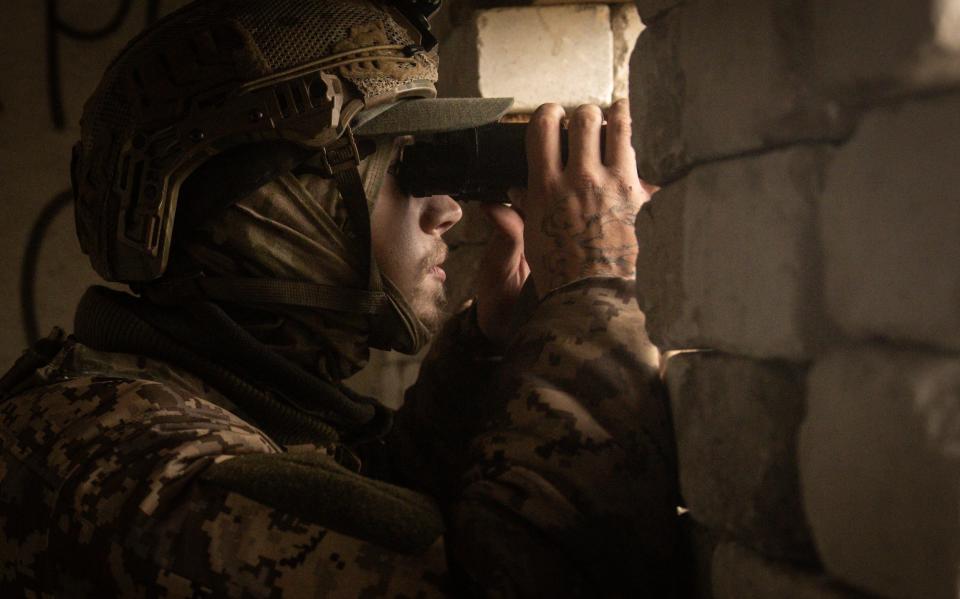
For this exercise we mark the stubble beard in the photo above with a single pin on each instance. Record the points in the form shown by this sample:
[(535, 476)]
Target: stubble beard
[(430, 297)]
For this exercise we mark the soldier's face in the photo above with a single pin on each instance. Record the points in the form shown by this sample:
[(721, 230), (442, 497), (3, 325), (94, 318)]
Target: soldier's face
[(406, 234)]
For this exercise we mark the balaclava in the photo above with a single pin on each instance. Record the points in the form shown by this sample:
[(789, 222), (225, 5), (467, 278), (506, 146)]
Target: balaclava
[(296, 228)]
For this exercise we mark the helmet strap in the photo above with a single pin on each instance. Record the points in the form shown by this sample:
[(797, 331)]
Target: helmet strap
[(346, 173)]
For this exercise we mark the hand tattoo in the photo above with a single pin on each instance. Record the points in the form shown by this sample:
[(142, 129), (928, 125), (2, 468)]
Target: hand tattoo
[(590, 241)]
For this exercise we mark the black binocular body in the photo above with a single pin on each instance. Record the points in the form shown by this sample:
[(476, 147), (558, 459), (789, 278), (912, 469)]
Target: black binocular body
[(470, 164)]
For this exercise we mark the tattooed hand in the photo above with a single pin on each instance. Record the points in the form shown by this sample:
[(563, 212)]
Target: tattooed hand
[(578, 219)]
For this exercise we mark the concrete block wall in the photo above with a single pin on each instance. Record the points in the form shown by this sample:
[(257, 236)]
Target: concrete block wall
[(805, 242)]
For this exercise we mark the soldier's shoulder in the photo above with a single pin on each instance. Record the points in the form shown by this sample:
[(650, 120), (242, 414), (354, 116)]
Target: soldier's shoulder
[(85, 402), (83, 388), (82, 373)]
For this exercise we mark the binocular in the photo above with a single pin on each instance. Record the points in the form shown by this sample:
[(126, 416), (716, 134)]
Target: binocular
[(470, 164)]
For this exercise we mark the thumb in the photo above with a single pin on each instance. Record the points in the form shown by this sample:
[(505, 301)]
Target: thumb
[(507, 223)]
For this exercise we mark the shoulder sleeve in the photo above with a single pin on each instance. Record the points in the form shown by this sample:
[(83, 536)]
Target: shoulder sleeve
[(126, 509), (569, 484)]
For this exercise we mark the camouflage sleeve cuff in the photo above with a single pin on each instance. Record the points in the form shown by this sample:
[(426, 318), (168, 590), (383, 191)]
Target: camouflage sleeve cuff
[(575, 444), (587, 306), (627, 286)]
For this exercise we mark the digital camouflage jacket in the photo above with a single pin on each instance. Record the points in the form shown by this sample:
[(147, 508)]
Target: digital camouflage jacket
[(546, 471)]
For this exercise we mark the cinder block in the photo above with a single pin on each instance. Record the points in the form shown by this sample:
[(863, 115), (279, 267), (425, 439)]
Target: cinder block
[(890, 223), (739, 573), (560, 54), (898, 47), (728, 257), (736, 423), (626, 26), (878, 458), (719, 78)]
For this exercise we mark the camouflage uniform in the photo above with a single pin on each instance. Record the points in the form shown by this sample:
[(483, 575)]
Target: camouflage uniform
[(196, 440), (546, 471)]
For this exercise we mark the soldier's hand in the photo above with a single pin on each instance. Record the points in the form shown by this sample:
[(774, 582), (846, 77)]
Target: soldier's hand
[(502, 272), (579, 218)]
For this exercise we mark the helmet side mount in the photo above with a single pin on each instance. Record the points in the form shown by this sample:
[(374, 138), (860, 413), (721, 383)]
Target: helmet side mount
[(418, 13)]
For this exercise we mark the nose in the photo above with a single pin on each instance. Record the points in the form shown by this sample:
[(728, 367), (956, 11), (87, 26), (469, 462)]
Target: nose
[(439, 214)]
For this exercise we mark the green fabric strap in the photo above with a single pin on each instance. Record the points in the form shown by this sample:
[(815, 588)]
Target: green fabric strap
[(350, 186), (312, 486)]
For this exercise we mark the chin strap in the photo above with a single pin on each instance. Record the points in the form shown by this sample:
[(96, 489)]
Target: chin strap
[(342, 161)]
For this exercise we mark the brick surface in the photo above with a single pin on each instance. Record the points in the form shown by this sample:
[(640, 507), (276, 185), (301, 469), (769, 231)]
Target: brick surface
[(739, 573), (905, 47), (459, 61), (728, 257), (890, 223), (736, 424), (560, 54), (878, 458), (705, 85), (626, 26)]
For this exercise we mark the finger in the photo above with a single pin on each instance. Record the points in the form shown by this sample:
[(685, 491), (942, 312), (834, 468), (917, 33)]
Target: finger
[(524, 271), (585, 138), (518, 199), (543, 145), (619, 151), (506, 221)]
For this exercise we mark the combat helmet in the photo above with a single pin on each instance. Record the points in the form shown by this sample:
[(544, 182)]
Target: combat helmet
[(269, 84)]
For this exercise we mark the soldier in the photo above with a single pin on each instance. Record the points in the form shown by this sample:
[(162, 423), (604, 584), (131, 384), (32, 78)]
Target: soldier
[(194, 438)]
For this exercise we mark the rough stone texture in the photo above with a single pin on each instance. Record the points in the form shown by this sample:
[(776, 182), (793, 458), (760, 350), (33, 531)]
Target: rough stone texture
[(902, 46), (459, 64), (736, 424), (558, 54), (739, 573), (626, 26), (878, 457), (890, 221), (718, 78), (728, 257)]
